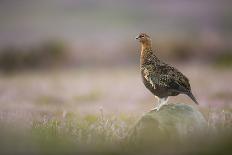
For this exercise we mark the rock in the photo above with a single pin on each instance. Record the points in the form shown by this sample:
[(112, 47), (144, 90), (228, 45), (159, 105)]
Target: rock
[(172, 121)]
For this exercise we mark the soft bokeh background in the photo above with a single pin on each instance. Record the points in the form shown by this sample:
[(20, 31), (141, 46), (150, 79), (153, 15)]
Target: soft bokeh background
[(65, 57)]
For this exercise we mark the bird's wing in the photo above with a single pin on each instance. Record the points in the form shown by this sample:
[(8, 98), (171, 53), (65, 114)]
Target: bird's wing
[(169, 77)]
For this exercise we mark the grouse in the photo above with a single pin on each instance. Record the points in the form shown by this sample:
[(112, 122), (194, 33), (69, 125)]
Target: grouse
[(160, 78)]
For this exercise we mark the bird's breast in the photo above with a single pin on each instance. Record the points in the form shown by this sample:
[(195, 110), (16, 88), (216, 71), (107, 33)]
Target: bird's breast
[(147, 80)]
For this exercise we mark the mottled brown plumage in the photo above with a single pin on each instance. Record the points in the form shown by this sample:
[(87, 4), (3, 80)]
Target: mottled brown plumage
[(160, 78)]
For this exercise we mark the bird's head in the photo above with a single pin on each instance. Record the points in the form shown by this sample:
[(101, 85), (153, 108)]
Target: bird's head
[(143, 38)]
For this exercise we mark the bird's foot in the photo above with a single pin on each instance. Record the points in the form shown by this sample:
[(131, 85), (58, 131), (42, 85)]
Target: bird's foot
[(155, 109)]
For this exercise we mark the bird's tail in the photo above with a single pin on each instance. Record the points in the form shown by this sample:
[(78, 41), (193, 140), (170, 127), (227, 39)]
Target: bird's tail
[(192, 97)]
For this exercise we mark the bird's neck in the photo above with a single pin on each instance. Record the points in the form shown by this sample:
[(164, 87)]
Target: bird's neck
[(146, 46), (147, 54)]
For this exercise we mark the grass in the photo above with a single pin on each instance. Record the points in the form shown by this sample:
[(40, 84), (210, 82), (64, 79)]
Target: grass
[(224, 60), (71, 133), (92, 96), (49, 113), (107, 134), (44, 55)]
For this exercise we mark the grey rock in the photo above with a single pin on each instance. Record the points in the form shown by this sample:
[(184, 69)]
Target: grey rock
[(171, 122)]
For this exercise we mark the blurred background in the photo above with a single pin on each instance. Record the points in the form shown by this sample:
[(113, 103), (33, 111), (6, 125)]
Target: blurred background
[(78, 56)]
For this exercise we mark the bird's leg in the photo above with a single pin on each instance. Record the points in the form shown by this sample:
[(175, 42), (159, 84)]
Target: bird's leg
[(155, 108), (161, 102)]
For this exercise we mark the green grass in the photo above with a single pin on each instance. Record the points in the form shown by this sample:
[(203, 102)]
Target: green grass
[(90, 97), (224, 60), (106, 134)]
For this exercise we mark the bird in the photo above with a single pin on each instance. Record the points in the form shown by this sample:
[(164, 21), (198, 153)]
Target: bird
[(162, 79)]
